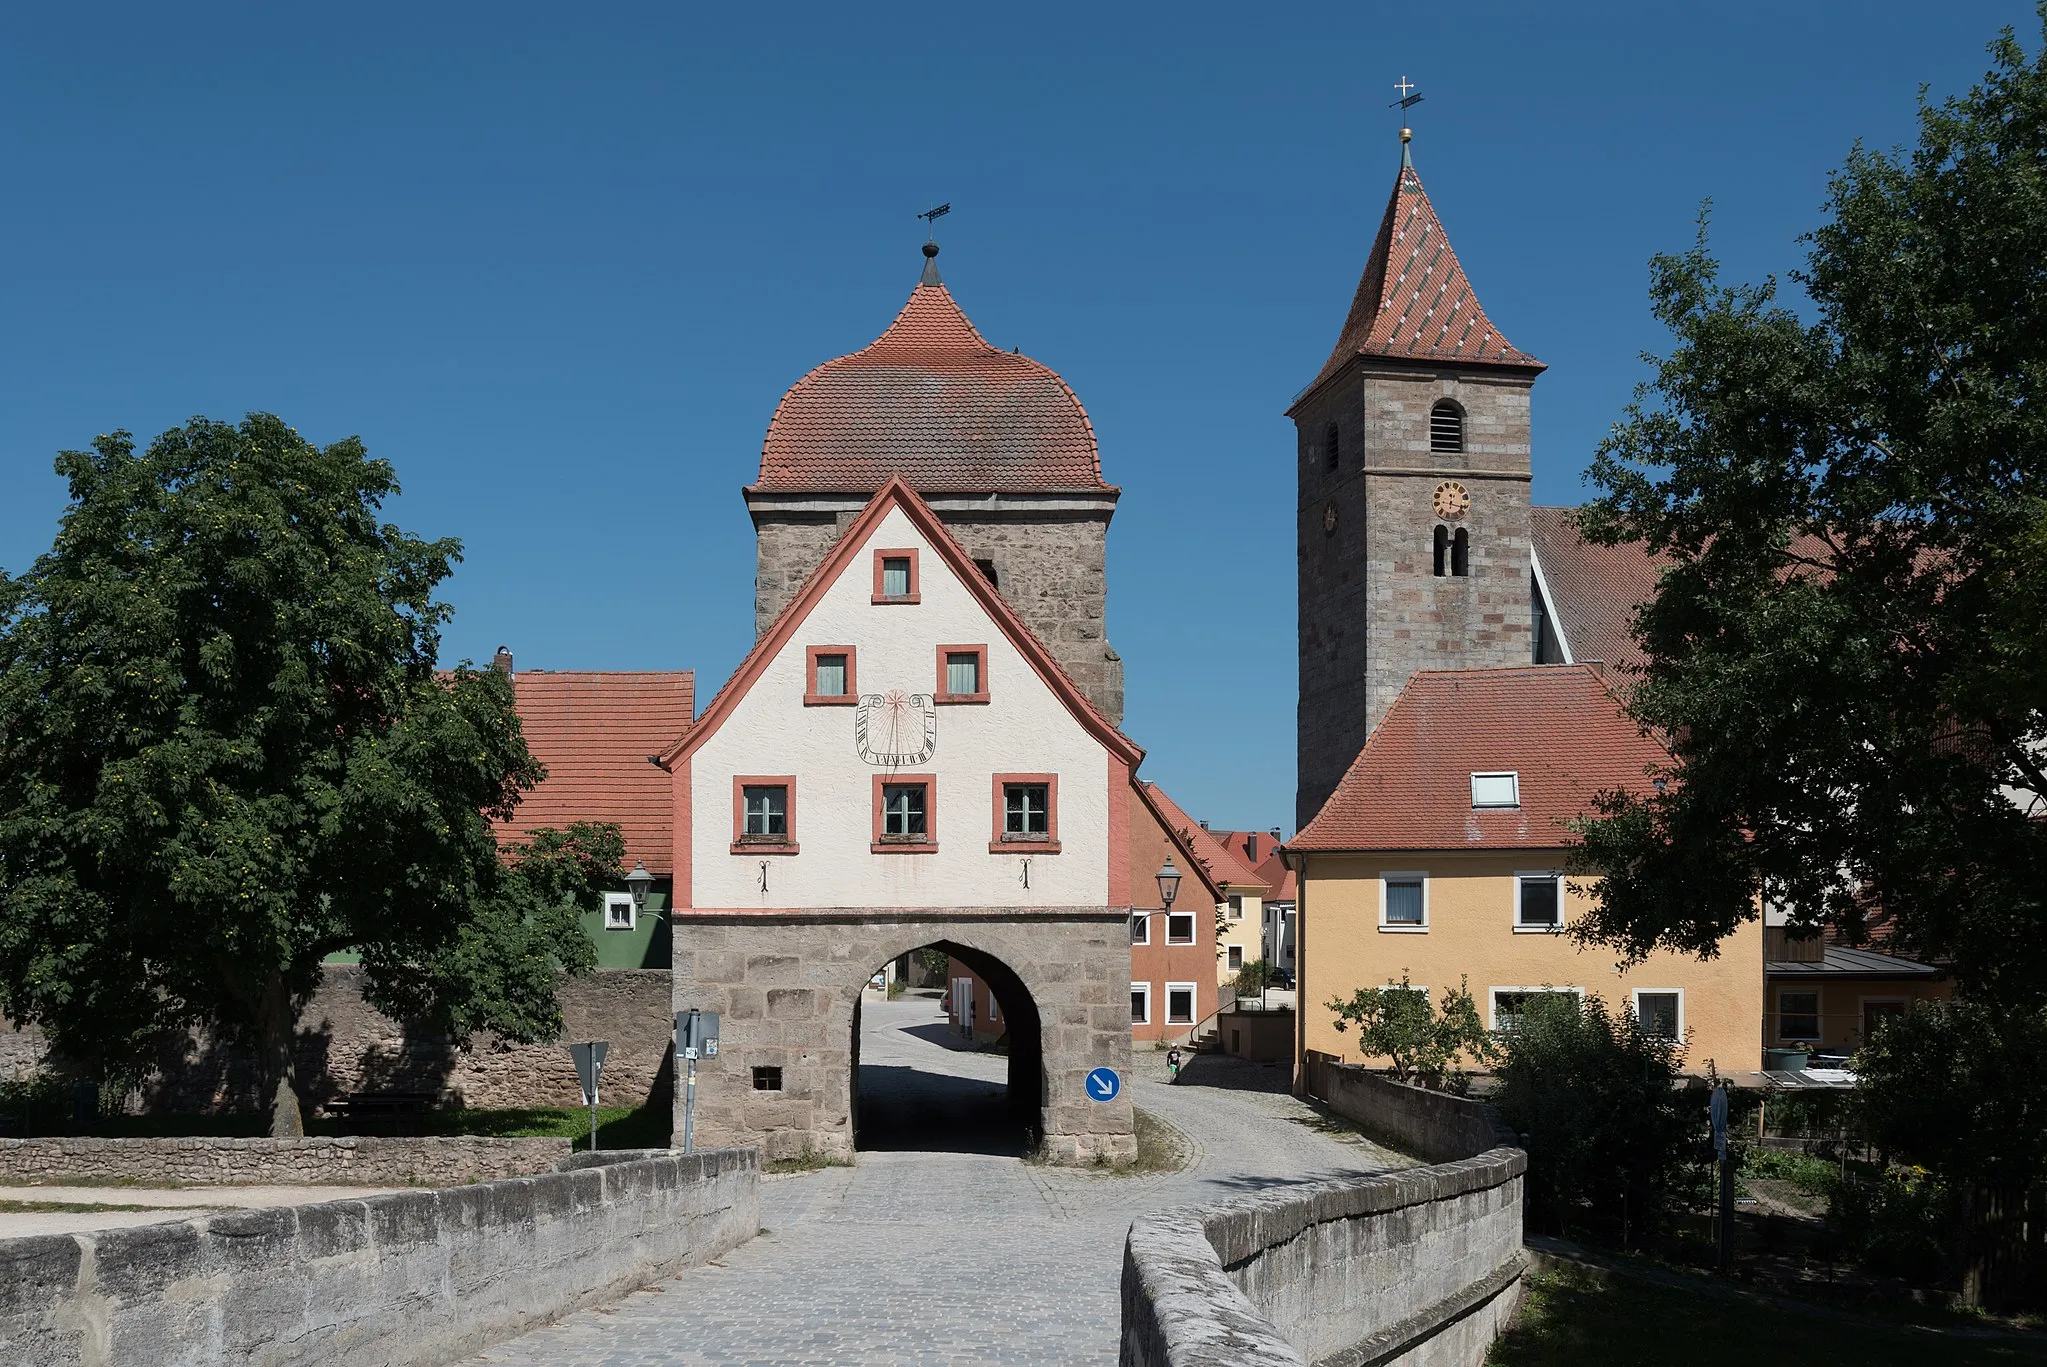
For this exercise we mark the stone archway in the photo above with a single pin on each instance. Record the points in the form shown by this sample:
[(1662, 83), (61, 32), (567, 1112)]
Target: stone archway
[(787, 988), (935, 1113)]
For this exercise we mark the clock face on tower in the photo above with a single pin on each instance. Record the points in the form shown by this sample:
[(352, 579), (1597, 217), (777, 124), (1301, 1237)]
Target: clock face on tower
[(1451, 500), (894, 729)]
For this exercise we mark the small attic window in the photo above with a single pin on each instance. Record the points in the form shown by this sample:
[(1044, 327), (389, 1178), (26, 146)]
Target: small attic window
[(1446, 426), (1495, 790)]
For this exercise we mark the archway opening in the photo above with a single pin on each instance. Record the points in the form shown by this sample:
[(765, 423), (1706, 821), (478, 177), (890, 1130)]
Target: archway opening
[(955, 1065)]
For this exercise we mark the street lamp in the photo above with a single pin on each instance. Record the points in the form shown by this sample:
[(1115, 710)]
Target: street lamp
[(1169, 883), (637, 882)]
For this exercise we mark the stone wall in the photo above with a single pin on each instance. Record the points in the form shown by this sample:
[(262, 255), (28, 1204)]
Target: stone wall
[(1372, 610), (1431, 1125), (362, 1162), (787, 986), (1420, 1268), (416, 1277)]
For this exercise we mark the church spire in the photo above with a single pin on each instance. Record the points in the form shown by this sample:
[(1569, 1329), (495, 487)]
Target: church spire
[(1414, 301)]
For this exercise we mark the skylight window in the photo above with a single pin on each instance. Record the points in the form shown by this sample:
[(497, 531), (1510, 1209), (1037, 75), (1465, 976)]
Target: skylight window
[(1495, 790)]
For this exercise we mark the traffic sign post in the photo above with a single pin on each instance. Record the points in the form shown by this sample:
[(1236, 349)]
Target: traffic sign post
[(696, 1036), (1104, 1084), (589, 1064)]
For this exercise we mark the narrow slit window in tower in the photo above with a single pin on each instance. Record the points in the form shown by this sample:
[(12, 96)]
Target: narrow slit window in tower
[(1446, 427), (1460, 553), (1442, 549), (1331, 452)]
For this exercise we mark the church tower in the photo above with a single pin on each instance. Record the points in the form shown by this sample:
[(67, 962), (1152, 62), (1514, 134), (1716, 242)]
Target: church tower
[(1413, 451), (995, 443)]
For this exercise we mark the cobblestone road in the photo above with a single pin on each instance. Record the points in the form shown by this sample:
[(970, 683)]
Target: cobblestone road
[(951, 1257)]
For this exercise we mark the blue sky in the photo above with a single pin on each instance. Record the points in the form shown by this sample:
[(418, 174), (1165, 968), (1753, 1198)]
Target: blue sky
[(558, 263)]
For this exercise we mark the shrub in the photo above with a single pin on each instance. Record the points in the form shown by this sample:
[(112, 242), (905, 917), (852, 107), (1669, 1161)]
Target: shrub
[(1253, 977), (1905, 1223), (1615, 1145), (1424, 1044)]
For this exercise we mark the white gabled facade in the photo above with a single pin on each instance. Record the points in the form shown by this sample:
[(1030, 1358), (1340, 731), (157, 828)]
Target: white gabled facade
[(834, 756)]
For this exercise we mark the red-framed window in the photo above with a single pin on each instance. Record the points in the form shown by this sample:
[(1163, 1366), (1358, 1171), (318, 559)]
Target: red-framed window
[(1026, 814), (905, 814), (962, 674), (895, 576), (763, 814), (834, 668)]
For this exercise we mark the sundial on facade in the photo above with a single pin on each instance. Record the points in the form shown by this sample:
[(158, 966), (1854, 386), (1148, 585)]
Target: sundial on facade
[(895, 728)]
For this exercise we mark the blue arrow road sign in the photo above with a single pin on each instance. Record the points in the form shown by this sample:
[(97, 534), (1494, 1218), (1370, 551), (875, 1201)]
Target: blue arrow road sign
[(1103, 1084)]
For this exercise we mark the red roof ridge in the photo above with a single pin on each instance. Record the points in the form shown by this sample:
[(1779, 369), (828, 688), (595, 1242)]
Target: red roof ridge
[(1417, 315), (1406, 788), (1225, 867), (896, 493)]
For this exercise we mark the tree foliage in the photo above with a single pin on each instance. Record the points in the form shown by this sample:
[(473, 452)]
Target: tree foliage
[(225, 753), (1845, 651), (1424, 1042), (1614, 1143)]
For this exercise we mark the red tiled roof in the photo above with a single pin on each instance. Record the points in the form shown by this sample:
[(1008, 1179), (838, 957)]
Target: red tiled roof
[(1414, 300), (1557, 726), (594, 732), (1593, 590), (1223, 864), (931, 401)]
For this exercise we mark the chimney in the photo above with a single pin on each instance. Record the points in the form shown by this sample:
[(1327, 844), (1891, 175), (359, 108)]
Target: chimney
[(1275, 835), (1204, 825), (502, 661)]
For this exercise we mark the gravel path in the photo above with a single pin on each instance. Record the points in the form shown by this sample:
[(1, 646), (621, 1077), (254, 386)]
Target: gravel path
[(953, 1257)]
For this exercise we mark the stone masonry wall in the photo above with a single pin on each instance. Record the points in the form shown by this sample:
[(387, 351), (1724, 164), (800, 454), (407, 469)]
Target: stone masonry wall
[(786, 985), (362, 1162), (1420, 1268), (1372, 610), (346, 1046), (1051, 567), (423, 1277)]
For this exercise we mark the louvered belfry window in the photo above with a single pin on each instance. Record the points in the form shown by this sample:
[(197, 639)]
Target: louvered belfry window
[(1446, 427)]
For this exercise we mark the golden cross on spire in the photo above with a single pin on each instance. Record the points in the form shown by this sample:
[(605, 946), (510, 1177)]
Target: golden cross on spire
[(1407, 101)]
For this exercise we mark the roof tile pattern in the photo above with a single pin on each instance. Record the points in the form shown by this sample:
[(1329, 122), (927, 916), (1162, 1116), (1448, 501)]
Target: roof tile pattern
[(1593, 590), (1224, 865), (594, 732), (1556, 726), (1414, 300), (931, 401)]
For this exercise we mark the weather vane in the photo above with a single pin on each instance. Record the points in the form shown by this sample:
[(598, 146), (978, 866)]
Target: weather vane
[(931, 217), (1407, 101)]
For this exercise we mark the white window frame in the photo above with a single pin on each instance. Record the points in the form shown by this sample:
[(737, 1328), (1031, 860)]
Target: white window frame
[(1233, 956), (1492, 999), (1236, 908), (1140, 928), (614, 902), (1862, 1005), (1513, 776), (1635, 996), (1193, 928), (1387, 877), (1144, 990), (1558, 876), (1193, 1002)]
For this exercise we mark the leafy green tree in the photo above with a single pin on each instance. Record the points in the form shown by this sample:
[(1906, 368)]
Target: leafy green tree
[(225, 753), (1253, 976), (1424, 1042), (1845, 651), (1614, 1144), (1959, 1088)]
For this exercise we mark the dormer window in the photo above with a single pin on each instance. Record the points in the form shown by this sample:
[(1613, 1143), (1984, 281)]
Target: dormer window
[(1446, 427), (1495, 790)]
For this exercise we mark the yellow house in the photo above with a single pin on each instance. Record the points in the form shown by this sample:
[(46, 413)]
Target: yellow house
[(1442, 855)]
